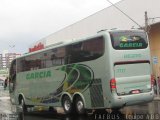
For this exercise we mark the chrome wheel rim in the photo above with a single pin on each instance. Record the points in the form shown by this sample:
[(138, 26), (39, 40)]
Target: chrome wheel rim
[(79, 105), (67, 105)]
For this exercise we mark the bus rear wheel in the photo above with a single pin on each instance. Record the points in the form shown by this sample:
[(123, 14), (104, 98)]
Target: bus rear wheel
[(79, 105), (67, 104)]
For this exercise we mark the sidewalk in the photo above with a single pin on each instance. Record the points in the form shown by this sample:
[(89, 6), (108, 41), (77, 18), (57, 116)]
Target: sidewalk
[(4, 93), (5, 102), (157, 98)]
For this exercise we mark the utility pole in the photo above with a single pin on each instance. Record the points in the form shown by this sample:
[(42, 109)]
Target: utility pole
[(146, 22)]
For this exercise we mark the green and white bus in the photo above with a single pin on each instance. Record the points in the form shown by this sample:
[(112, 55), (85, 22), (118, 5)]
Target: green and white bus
[(111, 69)]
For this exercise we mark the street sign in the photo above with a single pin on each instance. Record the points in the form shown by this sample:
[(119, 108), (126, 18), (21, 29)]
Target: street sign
[(155, 60)]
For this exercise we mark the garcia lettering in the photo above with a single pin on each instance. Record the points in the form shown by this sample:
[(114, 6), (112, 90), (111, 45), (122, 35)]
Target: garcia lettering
[(130, 45), (38, 75)]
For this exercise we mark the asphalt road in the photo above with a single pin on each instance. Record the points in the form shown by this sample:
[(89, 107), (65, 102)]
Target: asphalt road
[(150, 111)]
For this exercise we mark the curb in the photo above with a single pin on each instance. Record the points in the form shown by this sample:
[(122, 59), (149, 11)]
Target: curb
[(156, 98)]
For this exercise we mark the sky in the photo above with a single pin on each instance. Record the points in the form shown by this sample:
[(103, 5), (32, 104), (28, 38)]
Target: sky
[(24, 22)]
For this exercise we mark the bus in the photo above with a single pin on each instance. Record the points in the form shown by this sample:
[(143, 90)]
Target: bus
[(109, 70)]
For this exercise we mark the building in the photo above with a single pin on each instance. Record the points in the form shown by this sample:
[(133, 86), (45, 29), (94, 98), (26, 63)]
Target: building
[(5, 62), (111, 17), (6, 59), (1, 61)]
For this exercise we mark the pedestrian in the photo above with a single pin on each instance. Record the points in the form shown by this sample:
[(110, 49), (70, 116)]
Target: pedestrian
[(158, 82), (5, 83), (155, 86)]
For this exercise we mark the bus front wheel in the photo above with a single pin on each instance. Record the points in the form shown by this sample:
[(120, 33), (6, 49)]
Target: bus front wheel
[(24, 107), (67, 104)]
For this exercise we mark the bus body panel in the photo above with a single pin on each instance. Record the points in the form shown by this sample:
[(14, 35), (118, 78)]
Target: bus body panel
[(131, 78), (132, 72), (37, 85)]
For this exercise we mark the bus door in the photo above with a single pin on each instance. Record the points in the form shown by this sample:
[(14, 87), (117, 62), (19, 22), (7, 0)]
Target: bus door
[(12, 79)]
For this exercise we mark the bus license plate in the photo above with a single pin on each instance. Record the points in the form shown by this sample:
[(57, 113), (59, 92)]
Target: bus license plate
[(135, 91)]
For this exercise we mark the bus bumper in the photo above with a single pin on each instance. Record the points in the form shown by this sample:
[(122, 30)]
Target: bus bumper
[(133, 99)]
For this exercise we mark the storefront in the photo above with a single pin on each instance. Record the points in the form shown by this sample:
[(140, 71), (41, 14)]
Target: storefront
[(154, 36)]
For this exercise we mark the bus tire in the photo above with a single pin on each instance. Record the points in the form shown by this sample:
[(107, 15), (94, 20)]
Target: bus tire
[(24, 107), (79, 105), (20, 116), (67, 104)]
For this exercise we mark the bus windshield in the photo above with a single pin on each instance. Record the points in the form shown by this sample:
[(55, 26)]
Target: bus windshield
[(123, 40)]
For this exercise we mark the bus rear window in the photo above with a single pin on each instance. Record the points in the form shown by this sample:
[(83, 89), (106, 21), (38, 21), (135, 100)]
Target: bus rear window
[(126, 40)]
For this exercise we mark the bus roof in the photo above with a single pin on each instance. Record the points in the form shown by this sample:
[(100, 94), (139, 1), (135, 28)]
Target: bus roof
[(99, 33)]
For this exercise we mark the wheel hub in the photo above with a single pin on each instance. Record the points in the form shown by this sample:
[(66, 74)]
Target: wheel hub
[(67, 105), (79, 105)]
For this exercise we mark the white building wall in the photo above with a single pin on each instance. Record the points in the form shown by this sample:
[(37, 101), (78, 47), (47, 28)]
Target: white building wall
[(108, 18)]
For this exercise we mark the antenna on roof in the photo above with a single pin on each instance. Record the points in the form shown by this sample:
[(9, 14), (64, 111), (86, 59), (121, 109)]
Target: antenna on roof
[(124, 13), (102, 30)]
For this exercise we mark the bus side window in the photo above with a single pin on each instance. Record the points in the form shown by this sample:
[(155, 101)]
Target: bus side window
[(85, 51)]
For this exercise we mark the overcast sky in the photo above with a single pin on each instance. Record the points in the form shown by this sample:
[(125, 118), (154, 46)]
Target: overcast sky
[(23, 22)]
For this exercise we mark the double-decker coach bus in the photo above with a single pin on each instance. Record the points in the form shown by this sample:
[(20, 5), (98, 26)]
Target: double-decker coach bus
[(111, 69)]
